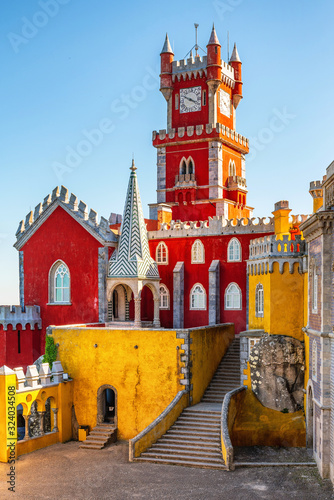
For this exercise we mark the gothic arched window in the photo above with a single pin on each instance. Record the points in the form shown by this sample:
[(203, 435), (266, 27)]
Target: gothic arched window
[(234, 250), (233, 297), (197, 297), (164, 297), (259, 301), (162, 253), (197, 253), (59, 283), (231, 168)]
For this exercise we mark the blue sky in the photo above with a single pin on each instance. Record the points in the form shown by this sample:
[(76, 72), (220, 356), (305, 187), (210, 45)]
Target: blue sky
[(70, 66)]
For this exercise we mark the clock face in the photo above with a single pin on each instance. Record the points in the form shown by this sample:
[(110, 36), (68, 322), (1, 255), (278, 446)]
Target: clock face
[(190, 99), (225, 103)]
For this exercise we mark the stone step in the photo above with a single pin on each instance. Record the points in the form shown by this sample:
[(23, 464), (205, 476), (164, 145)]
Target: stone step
[(97, 437), (104, 434), (191, 452), (186, 432), (184, 457), (187, 444), (186, 463), (205, 413), (91, 446), (215, 438), (200, 424), (94, 440)]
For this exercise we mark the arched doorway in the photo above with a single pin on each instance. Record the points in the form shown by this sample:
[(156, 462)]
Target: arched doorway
[(147, 305), (309, 418), (107, 404)]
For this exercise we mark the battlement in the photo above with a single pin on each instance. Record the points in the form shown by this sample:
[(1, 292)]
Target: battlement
[(35, 378), (78, 208), (269, 246), (315, 185), (196, 66), (208, 130), (216, 225), (15, 315)]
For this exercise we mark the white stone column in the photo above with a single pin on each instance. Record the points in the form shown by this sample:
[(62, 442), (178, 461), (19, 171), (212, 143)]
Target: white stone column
[(156, 320), (55, 411), (137, 312), (26, 430)]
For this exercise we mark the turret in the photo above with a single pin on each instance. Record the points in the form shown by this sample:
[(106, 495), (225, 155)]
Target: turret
[(316, 192), (167, 56), (281, 218), (214, 67), (236, 65)]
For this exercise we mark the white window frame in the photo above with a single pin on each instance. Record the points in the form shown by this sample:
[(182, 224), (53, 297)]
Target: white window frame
[(164, 295), (314, 291), (159, 255), (259, 301), (232, 243), (227, 293), (231, 169), (314, 361), (195, 305), (197, 252), (52, 284)]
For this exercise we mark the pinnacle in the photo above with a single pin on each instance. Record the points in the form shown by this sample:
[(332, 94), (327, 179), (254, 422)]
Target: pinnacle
[(133, 166), (167, 47), (235, 56), (213, 38)]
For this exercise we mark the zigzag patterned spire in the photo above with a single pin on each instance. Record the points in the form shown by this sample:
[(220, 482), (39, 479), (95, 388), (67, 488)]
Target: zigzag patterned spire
[(132, 258)]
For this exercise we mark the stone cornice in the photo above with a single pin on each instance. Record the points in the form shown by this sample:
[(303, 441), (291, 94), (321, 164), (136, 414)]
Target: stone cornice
[(318, 224)]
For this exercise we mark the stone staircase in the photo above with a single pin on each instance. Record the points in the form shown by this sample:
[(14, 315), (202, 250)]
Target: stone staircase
[(194, 440), (100, 436), (227, 376)]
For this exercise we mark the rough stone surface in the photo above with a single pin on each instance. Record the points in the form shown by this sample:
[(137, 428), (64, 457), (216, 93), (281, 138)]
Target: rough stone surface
[(277, 372)]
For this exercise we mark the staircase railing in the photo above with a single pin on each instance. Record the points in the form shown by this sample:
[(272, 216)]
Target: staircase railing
[(159, 426), (229, 411)]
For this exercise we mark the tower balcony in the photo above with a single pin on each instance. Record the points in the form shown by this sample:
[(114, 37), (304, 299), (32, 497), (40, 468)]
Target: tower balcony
[(236, 182), (185, 180)]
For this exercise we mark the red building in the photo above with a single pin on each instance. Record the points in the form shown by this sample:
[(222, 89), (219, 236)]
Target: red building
[(187, 267)]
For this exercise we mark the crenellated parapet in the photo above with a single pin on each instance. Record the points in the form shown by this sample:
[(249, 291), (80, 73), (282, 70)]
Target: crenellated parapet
[(15, 315), (38, 379), (197, 66), (265, 251), (214, 226), (77, 208), (201, 131)]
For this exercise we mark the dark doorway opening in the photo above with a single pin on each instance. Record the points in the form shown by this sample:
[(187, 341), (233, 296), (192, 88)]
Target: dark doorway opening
[(109, 402)]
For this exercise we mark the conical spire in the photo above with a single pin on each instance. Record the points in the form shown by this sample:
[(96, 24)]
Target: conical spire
[(132, 258), (235, 56), (167, 48), (213, 38)]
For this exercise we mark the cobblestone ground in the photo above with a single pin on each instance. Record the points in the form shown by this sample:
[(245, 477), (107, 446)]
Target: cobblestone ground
[(64, 471)]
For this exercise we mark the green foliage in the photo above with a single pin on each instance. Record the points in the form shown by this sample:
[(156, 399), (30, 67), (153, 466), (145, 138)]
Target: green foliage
[(50, 351), (285, 410)]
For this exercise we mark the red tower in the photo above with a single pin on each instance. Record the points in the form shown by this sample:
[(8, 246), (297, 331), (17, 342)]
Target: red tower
[(200, 157)]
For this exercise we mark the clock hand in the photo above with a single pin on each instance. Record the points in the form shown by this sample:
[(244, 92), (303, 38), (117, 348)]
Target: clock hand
[(190, 99)]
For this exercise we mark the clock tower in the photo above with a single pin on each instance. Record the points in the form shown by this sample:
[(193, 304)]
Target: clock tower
[(200, 156)]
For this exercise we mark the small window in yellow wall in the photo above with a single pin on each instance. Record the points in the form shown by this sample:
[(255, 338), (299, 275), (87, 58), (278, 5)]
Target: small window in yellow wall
[(259, 301)]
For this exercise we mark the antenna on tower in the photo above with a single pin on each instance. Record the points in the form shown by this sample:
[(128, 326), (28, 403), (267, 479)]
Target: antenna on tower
[(228, 46), (196, 45)]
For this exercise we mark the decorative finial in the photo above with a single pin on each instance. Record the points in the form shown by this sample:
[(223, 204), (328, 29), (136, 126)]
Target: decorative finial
[(133, 166)]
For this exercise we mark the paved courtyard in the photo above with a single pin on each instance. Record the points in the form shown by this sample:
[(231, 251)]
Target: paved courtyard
[(64, 471)]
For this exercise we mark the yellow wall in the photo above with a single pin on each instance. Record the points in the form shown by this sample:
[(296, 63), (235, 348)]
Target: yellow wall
[(207, 349), (255, 425), (145, 378), (6, 383), (284, 302)]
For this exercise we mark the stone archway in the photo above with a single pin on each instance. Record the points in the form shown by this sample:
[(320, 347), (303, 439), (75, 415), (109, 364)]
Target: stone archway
[(309, 417), (106, 404)]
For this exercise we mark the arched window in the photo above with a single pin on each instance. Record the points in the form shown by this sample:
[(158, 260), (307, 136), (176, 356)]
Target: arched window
[(233, 297), (183, 166), (259, 301), (314, 360), (315, 291), (176, 101), (197, 253), (234, 250), (59, 284), (231, 168), (162, 253), (197, 297), (187, 166), (164, 297)]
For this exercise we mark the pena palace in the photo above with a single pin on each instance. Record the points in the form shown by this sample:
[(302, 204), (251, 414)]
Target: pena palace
[(142, 311), (197, 238)]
